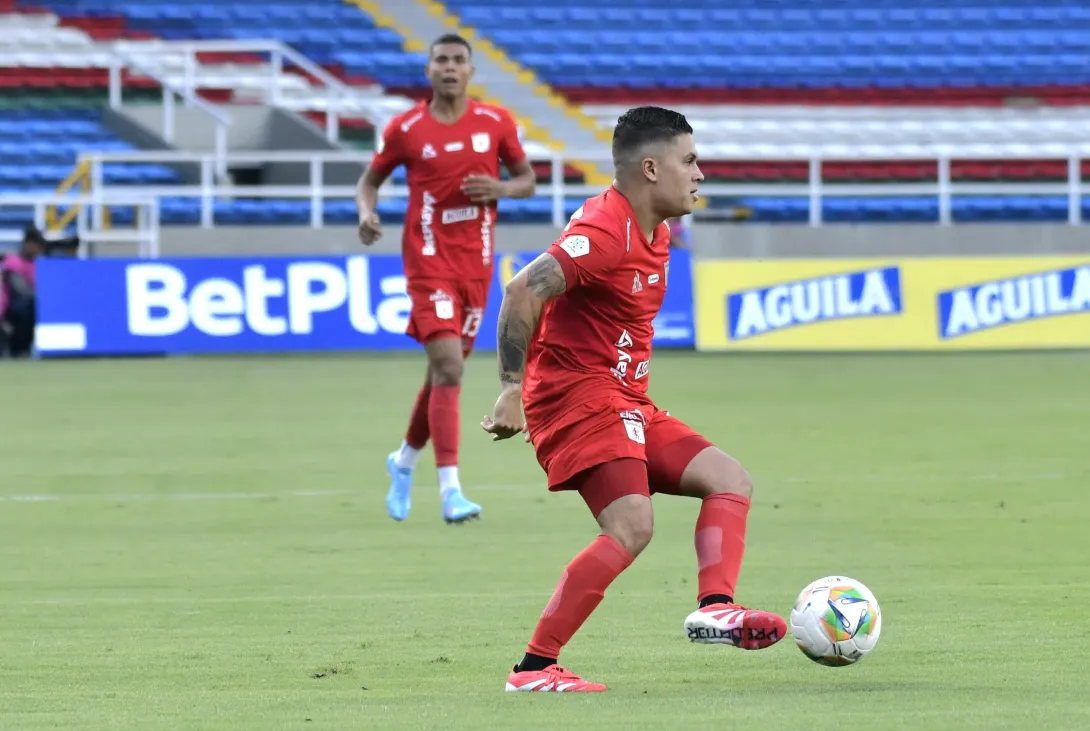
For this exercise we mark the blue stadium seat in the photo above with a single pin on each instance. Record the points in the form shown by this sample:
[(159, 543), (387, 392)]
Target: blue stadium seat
[(611, 44)]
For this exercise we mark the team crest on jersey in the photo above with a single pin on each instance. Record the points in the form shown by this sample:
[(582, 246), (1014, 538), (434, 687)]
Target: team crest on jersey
[(482, 142), (428, 152), (637, 286)]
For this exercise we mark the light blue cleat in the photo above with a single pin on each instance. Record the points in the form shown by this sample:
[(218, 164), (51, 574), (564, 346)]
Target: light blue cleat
[(399, 498), (458, 509)]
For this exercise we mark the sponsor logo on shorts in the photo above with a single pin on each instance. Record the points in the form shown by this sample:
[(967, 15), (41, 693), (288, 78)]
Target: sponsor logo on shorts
[(1007, 301), (869, 293), (457, 215)]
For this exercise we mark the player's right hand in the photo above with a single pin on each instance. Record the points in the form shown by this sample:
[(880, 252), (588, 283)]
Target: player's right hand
[(370, 229), (506, 420)]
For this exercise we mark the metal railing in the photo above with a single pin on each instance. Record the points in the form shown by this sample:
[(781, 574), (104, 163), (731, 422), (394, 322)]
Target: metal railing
[(176, 65), (145, 233), (170, 88), (334, 97), (815, 189)]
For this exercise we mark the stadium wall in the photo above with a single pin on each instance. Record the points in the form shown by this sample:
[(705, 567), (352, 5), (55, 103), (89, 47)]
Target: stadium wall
[(787, 289), (710, 240)]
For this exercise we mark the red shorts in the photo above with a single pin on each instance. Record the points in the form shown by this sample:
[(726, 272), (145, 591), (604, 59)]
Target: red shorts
[(444, 308), (611, 428)]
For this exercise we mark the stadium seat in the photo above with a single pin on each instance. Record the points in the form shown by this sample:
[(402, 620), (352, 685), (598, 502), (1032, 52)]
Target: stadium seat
[(873, 51)]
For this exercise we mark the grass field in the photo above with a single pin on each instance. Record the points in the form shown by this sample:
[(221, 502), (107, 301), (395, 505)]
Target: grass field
[(202, 544)]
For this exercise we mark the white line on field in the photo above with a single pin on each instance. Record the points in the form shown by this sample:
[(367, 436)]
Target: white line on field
[(178, 496), (370, 490)]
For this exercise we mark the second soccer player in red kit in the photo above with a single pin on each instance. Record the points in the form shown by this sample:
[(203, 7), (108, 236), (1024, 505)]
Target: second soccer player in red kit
[(575, 332), (452, 148)]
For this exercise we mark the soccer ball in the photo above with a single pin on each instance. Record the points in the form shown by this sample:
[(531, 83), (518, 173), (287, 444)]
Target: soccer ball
[(836, 621)]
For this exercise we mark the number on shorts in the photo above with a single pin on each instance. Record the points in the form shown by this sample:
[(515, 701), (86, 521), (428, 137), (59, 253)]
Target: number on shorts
[(474, 317)]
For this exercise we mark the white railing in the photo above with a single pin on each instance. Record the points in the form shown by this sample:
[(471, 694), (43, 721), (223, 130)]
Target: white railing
[(145, 234), (178, 61), (188, 94), (117, 60), (175, 65), (815, 189), (315, 190)]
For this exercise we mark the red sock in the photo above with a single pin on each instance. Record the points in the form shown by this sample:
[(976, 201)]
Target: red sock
[(720, 543), (444, 423), (418, 433), (580, 589)]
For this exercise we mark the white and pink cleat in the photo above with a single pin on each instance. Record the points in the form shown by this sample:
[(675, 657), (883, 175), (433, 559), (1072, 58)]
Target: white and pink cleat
[(731, 624)]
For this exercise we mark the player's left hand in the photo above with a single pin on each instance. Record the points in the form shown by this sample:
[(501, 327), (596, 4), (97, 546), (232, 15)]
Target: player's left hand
[(482, 188), (501, 432), (506, 420)]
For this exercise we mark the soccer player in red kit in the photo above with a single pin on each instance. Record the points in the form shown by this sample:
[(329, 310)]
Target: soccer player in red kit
[(574, 353), (452, 148)]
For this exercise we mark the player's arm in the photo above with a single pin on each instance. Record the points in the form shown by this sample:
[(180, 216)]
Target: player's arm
[(520, 312), (521, 182), (376, 173)]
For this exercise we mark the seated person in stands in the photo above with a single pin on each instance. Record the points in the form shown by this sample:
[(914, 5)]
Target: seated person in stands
[(18, 303)]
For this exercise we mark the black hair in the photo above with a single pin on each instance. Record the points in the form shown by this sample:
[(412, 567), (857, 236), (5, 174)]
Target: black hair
[(33, 235), (643, 126), (451, 38)]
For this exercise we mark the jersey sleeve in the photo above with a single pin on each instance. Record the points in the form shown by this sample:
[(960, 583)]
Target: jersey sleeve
[(510, 147), (393, 150), (585, 253)]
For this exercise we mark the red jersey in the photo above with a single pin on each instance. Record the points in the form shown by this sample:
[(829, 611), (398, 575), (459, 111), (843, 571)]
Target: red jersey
[(446, 235), (595, 339)]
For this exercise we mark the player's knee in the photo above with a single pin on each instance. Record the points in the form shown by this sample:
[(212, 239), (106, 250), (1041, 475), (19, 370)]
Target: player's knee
[(634, 536), (740, 483), (447, 372), (715, 473), (633, 527), (732, 479)]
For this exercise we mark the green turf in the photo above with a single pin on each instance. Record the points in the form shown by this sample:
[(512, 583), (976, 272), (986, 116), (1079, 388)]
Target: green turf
[(202, 544)]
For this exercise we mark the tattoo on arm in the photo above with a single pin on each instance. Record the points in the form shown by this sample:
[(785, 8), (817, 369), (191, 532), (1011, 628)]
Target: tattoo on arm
[(515, 334), (543, 279)]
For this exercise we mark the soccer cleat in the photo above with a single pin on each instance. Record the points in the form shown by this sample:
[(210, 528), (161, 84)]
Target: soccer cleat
[(399, 497), (731, 624), (553, 679), (458, 509)]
